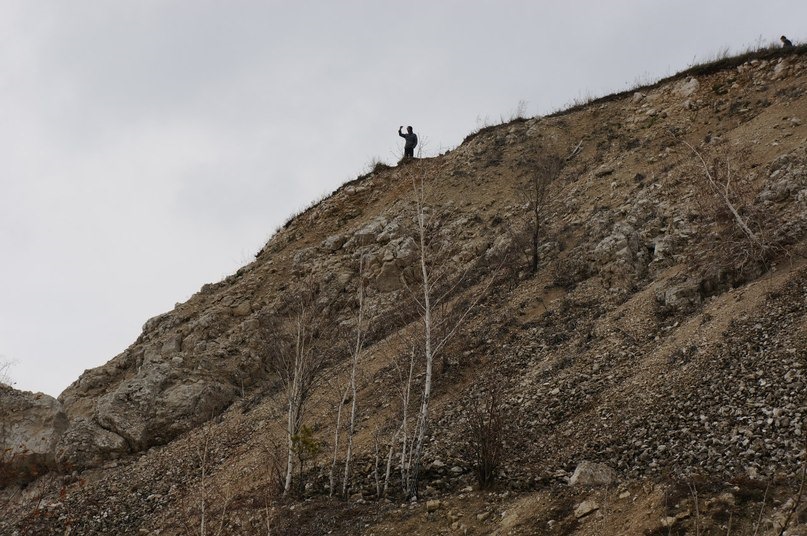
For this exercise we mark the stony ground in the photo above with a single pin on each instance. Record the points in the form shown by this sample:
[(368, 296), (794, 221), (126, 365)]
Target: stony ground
[(658, 338)]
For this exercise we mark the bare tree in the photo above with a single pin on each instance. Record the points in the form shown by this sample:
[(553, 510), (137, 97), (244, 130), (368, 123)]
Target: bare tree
[(295, 344), (432, 290), (532, 192), (204, 451), (336, 434), (728, 197), (403, 432), (354, 364), (724, 193), (350, 391)]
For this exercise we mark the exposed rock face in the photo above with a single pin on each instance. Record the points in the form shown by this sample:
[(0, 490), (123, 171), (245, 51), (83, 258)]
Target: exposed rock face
[(158, 403), (85, 444), (31, 425)]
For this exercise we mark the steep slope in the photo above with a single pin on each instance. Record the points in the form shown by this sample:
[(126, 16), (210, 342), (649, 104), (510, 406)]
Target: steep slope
[(664, 335)]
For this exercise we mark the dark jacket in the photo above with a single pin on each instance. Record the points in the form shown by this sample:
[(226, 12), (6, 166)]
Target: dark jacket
[(411, 139)]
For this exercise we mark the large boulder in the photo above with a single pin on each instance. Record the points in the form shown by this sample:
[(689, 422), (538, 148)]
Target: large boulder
[(31, 425), (159, 403)]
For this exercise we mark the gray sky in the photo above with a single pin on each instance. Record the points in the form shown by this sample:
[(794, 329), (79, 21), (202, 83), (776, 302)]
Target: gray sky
[(148, 147)]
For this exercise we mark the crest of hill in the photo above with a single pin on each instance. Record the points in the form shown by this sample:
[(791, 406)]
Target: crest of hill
[(657, 337)]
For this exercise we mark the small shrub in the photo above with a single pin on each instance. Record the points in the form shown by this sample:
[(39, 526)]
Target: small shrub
[(305, 447), (485, 436)]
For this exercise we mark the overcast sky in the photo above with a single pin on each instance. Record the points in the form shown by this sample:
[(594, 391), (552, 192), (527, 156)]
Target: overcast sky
[(148, 147)]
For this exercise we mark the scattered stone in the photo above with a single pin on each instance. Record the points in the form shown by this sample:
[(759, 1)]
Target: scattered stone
[(585, 508), (333, 243), (604, 171)]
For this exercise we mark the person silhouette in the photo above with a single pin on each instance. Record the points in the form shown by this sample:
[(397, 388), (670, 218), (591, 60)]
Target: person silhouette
[(411, 142), (786, 43)]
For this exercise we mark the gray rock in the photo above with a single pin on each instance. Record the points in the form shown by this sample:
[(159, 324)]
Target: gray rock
[(172, 345), (620, 247), (159, 403), (333, 243), (683, 296), (501, 244), (303, 257), (242, 309), (585, 508), (780, 71), (780, 190), (369, 233), (389, 278), (687, 87), (604, 171), (394, 229), (32, 424), (405, 251), (592, 474), (85, 444)]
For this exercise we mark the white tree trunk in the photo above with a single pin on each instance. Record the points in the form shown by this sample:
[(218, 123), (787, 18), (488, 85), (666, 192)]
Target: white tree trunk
[(423, 415), (405, 447), (295, 395), (290, 452), (336, 443)]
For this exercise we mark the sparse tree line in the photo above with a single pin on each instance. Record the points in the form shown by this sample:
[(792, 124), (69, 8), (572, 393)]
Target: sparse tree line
[(297, 356), (301, 343)]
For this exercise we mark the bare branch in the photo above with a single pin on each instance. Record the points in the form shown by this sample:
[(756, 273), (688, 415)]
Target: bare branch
[(723, 193)]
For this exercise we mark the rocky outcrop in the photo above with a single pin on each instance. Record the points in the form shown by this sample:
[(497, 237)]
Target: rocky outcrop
[(31, 425), (85, 444), (158, 403)]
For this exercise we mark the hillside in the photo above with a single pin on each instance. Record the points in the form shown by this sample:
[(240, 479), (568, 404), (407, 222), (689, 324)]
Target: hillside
[(663, 335)]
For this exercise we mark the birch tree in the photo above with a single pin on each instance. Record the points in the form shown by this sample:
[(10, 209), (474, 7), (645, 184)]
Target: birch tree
[(431, 290), (297, 354), (354, 364), (351, 391)]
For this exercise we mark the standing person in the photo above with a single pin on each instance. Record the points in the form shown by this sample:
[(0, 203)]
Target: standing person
[(411, 142)]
